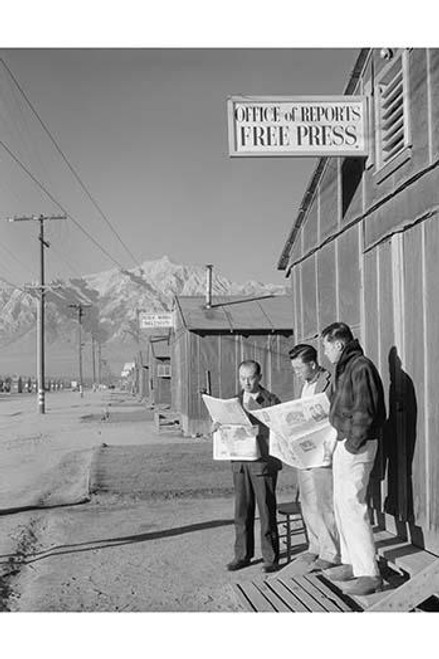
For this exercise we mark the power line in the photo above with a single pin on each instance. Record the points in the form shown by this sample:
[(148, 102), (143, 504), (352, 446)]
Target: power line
[(66, 161), (6, 281), (74, 270), (63, 260), (57, 203), (13, 256)]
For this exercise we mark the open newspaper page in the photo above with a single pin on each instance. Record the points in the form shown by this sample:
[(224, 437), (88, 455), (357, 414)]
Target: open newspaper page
[(300, 433), (235, 439), (226, 411)]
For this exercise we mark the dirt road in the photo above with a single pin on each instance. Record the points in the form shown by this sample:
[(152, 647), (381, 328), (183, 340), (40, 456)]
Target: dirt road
[(156, 532)]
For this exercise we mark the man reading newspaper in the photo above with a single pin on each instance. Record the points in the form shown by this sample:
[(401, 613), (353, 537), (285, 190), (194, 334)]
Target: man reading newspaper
[(315, 484), (255, 480)]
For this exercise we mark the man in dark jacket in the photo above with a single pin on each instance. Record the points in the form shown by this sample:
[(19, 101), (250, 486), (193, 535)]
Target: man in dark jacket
[(255, 481), (357, 412)]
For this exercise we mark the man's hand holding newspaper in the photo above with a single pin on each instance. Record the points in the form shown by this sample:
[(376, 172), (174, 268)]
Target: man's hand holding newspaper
[(234, 436), (300, 432)]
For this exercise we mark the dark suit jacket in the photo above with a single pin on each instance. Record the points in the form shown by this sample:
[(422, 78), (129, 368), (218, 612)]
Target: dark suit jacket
[(266, 463)]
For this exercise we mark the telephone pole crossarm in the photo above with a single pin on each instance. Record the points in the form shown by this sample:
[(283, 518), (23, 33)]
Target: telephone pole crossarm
[(42, 287)]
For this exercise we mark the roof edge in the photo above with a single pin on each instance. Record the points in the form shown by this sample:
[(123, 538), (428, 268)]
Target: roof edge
[(283, 261)]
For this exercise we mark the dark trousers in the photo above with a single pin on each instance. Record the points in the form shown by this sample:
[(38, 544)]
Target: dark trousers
[(251, 488)]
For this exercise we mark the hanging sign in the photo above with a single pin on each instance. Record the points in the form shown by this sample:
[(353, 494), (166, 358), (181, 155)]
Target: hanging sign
[(297, 126), (153, 320)]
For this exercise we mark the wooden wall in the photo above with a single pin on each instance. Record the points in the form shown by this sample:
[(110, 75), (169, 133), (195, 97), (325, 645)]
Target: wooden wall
[(368, 254), (161, 387), (200, 359)]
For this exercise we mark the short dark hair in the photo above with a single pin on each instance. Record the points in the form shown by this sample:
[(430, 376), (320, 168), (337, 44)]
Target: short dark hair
[(338, 332), (305, 352), (251, 362)]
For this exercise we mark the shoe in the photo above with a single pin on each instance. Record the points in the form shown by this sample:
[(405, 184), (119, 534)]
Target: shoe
[(342, 572), (308, 557), (270, 567), (238, 564), (363, 586), (321, 564)]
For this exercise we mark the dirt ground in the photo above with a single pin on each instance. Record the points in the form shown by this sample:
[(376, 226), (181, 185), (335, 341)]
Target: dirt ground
[(156, 533)]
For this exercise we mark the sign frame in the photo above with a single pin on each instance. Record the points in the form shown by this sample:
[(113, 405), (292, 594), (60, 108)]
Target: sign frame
[(159, 319), (361, 99)]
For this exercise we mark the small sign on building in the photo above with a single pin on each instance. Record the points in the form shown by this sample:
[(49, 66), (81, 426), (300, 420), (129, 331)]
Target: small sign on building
[(297, 126), (154, 320)]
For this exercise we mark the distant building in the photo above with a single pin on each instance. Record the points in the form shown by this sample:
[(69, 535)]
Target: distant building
[(364, 249), (128, 369), (208, 343), (160, 370)]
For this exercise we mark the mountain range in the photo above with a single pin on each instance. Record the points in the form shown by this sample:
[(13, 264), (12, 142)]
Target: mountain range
[(111, 301)]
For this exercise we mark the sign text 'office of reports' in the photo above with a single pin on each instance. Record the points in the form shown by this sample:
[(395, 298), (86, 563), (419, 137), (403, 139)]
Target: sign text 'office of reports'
[(296, 126)]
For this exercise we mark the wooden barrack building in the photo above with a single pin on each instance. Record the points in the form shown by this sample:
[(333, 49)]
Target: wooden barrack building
[(209, 341), (364, 249)]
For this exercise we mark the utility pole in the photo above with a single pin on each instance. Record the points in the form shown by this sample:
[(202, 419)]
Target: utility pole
[(80, 309), (99, 362), (41, 306), (93, 358)]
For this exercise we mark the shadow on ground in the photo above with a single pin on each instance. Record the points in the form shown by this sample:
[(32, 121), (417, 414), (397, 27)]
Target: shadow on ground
[(92, 545)]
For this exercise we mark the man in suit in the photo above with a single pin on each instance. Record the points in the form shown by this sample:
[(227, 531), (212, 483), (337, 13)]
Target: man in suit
[(315, 484), (255, 481)]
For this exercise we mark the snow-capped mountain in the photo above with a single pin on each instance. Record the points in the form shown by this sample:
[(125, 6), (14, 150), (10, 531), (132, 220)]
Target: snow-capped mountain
[(111, 301)]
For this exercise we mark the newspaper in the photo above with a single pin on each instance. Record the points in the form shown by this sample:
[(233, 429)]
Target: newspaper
[(235, 443), (300, 433), (235, 439), (227, 411)]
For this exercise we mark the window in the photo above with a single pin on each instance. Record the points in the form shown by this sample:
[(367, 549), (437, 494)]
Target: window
[(163, 370), (391, 94)]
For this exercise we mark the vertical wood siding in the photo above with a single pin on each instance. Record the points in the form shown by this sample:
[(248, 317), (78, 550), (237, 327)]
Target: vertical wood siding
[(329, 204), (434, 95), (326, 285), (419, 105), (310, 230), (228, 361), (309, 298), (432, 347), (399, 266), (413, 385), (349, 278)]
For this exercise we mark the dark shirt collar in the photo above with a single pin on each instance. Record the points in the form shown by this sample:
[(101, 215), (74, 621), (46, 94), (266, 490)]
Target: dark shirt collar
[(351, 349)]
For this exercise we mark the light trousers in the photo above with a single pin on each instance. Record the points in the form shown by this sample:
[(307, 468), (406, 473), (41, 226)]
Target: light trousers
[(316, 500), (351, 477)]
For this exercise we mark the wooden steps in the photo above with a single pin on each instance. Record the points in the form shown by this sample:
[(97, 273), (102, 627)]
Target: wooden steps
[(410, 577), (294, 595), (402, 553), (166, 420)]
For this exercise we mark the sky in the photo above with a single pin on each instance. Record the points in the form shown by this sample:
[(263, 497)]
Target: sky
[(148, 137), (146, 131)]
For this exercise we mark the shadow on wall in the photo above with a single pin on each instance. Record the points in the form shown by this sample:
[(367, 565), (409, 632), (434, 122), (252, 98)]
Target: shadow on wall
[(395, 458)]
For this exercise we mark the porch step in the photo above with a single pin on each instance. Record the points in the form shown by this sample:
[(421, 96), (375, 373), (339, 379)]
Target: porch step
[(402, 553), (410, 583), (166, 420), (295, 595)]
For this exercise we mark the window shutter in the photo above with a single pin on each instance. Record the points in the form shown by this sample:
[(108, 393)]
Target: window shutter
[(392, 111)]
